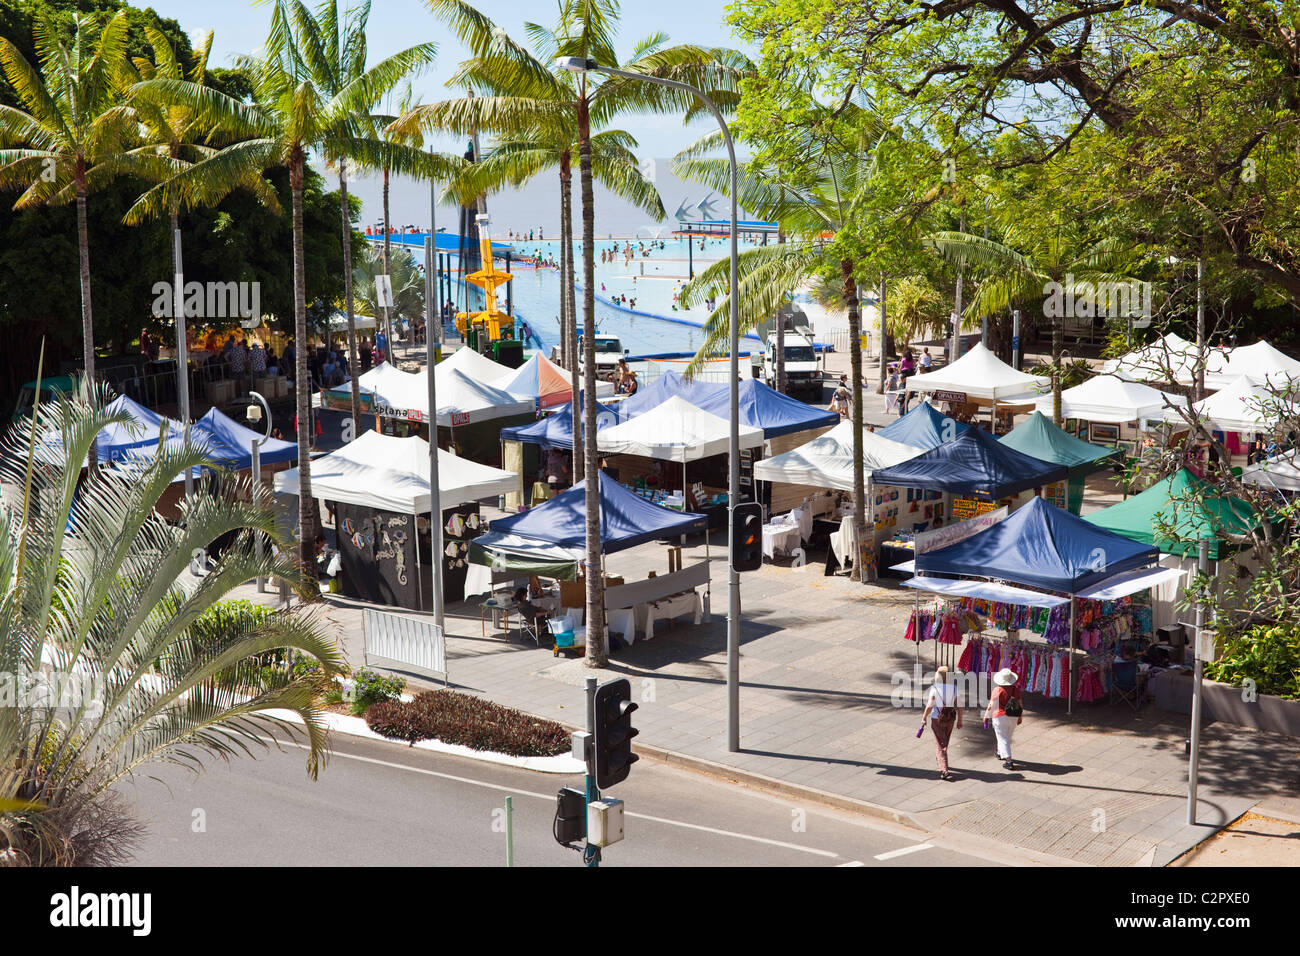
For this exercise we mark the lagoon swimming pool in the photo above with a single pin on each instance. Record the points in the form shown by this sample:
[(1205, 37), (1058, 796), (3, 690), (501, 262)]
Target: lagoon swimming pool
[(653, 329)]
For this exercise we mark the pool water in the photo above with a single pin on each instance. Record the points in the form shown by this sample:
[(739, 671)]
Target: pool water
[(653, 329)]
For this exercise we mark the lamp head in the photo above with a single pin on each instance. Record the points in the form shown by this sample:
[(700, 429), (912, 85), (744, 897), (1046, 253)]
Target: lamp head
[(576, 64), (253, 412)]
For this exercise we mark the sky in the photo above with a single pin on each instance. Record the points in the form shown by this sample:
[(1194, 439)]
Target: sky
[(240, 27)]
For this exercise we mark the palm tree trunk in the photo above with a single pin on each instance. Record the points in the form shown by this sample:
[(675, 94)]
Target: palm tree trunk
[(388, 312), (568, 308), (780, 352), (596, 654), (306, 500), (87, 323), (855, 361), (354, 367)]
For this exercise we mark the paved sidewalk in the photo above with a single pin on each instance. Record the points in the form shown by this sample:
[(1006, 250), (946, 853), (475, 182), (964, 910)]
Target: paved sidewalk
[(819, 662), (820, 659)]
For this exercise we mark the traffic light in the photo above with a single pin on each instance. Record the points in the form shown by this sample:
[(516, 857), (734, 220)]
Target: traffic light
[(747, 536), (614, 732)]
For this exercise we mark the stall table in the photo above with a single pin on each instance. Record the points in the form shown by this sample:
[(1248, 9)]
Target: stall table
[(665, 609)]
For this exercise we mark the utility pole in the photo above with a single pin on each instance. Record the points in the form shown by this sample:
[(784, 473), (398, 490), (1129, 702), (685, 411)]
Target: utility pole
[(591, 854), (1193, 769), (435, 499), (1201, 351), (956, 315)]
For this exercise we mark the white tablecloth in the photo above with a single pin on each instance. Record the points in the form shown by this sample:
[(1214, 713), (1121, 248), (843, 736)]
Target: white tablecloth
[(780, 537), (668, 608), (623, 621), (844, 543)]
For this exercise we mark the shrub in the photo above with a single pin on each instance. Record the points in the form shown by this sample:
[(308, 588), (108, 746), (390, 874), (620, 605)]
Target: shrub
[(470, 722), (1267, 654), (370, 688)]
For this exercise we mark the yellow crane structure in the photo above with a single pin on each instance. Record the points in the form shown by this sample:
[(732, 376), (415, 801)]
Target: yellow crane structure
[(489, 279)]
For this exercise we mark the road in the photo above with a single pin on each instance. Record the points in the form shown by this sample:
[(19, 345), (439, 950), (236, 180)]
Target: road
[(376, 804)]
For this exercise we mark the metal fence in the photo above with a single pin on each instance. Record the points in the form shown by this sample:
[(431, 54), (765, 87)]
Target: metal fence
[(409, 642)]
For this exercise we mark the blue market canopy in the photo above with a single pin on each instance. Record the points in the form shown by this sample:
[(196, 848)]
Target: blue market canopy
[(119, 441), (626, 519), (975, 464), (556, 430), (1042, 546), (232, 444), (761, 406), (923, 427)]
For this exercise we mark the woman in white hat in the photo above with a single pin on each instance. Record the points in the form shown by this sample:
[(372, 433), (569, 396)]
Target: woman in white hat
[(1006, 712)]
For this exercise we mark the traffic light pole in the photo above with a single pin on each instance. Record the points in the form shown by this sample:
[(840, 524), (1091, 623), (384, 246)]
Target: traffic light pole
[(591, 854)]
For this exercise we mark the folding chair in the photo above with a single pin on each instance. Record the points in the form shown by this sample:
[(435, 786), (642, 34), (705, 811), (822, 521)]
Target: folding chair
[(1126, 685)]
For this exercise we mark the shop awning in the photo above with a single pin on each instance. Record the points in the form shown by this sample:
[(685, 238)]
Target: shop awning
[(1130, 582), (985, 591), (512, 552), (975, 464)]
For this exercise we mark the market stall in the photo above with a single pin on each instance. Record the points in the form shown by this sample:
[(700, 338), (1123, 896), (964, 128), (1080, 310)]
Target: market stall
[(1044, 548), (1038, 438), (1260, 361), (1171, 358), (1107, 410), (558, 528), (544, 383), (979, 378), (524, 447), (1174, 514), (379, 488), (1246, 405), (678, 432)]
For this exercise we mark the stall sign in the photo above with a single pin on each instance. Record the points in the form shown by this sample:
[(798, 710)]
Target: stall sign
[(459, 418), (414, 415), (966, 508), (956, 398), (928, 541)]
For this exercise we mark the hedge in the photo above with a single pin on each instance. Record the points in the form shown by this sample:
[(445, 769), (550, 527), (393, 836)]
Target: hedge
[(468, 721)]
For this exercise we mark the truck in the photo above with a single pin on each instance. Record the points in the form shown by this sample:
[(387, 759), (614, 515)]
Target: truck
[(803, 373), (608, 352)]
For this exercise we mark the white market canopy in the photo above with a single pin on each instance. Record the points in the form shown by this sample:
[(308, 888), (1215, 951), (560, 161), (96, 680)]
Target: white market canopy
[(477, 367), (392, 474), (1170, 358), (675, 431), (1260, 361), (827, 461), (1110, 400), (981, 374), (1281, 472), (1247, 405), (461, 400)]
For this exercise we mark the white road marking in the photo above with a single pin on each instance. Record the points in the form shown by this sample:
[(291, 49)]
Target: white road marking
[(550, 798), (904, 851), (852, 863)]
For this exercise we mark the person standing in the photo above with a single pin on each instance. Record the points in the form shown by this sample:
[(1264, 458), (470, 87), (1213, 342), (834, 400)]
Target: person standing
[(906, 369), (943, 711), (927, 362), (1006, 712)]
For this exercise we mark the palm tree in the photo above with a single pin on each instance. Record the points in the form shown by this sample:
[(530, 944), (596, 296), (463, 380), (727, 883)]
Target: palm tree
[(825, 198), (131, 665), (173, 135), (1015, 277), (74, 128), (290, 116), (407, 282)]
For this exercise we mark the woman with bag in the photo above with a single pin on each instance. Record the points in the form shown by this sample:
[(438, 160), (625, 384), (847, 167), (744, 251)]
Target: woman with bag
[(942, 703), (1005, 711)]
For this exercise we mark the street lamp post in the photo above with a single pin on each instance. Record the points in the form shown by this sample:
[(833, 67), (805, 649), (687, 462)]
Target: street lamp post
[(582, 65), (254, 414)]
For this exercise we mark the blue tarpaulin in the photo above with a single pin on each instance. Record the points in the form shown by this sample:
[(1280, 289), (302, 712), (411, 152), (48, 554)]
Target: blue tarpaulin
[(1042, 546), (626, 519), (556, 429), (975, 464), (761, 406), (923, 427)]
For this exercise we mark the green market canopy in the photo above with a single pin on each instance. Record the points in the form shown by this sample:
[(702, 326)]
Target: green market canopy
[(1187, 502), (1039, 438)]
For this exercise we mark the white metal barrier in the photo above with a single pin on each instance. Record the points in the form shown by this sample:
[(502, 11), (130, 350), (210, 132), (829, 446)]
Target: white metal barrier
[(409, 642)]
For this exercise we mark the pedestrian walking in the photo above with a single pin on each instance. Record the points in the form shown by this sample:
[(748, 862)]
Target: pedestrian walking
[(943, 711), (1006, 712)]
